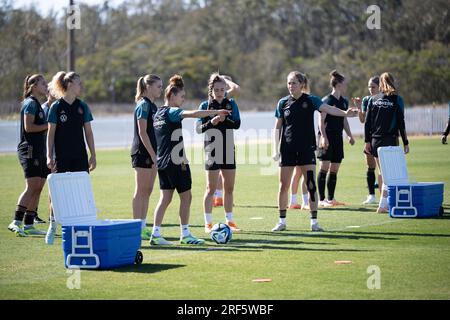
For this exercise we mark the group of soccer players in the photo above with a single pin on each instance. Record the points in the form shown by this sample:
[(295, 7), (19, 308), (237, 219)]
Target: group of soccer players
[(56, 143)]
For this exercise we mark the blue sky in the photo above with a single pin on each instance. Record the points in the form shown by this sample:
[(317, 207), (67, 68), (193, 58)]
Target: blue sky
[(44, 6)]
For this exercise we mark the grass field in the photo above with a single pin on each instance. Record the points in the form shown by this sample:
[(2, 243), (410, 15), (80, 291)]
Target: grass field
[(413, 255)]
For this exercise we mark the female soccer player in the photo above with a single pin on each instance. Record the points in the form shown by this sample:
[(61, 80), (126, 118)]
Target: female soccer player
[(331, 149), (143, 148), (69, 123), (219, 148), (173, 167), (374, 90), (233, 90), (384, 121), (296, 144), (31, 153)]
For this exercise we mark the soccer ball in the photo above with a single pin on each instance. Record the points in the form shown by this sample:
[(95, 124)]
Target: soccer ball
[(221, 233)]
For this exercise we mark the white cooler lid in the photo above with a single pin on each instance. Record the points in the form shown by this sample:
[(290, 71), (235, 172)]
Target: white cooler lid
[(393, 165), (72, 198)]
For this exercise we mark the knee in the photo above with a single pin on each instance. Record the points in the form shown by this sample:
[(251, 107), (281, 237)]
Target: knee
[(284, 187), (210, 191), (310, 182), (228, 189)]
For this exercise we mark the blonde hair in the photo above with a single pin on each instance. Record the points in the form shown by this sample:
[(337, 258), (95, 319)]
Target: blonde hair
[(142, 83), (60, 82), (176, 84), (301, 77), (335, 78), (29, 83), (387, 84), (213, 79)]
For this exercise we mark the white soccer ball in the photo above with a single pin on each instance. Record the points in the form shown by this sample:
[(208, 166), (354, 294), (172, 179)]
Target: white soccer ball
[(221, 233)]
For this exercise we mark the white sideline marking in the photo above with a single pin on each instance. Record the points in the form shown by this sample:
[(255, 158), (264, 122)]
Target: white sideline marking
[(256, 218)]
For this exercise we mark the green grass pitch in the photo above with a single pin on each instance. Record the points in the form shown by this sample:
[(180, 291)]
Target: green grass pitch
[(413, 255)]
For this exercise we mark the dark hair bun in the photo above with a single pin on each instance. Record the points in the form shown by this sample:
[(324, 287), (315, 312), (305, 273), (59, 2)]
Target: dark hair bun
[(176, 81), (334, 73)]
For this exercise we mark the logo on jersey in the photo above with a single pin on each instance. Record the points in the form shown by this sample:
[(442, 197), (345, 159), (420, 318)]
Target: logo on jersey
[(41, 115), (159, 123), (36, 163), (383, 103), (147, 161), (228, 106), (287, 112), (63, 118), (305, 105)]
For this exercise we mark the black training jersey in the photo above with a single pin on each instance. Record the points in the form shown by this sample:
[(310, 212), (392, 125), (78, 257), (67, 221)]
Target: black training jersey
[(298, 122), (232, 121), (32, 144), (69, 134), (169, 137), (385, 117), (145, 109), (333, 124)]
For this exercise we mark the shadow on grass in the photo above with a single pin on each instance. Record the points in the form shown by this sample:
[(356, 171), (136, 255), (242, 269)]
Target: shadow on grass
[(148, 268), (325, 235), (258, 207), (344, 208), (399, 234), (252, 245)]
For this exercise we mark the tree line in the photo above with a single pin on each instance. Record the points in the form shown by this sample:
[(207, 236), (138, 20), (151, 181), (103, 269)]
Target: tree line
[(255, 42)]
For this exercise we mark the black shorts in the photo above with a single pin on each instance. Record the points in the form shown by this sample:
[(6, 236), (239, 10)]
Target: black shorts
[(141, 161), (386, 141), (34, 167), (72, 165), (335, 151), (175, 177), (210, 166), (293, 159)]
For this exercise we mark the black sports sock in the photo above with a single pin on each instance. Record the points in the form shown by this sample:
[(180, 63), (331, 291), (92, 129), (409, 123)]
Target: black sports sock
[(20, 212), (313, 214), (29, 217), (321, 179), (371, 180), (331, 185), (283, 213)]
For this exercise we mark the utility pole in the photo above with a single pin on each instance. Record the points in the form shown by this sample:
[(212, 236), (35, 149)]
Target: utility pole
[(70, 42)]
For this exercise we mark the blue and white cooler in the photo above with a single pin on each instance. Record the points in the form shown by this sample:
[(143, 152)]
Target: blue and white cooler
[(89, 243), (407, 199)]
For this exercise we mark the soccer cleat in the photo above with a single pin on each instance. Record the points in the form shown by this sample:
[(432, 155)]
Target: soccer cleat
[(15, 227), (444, 139), (190, 239), (159, 241), (208, 227), (146, 234), (305, 207), (51, 232), (32, 231), (233, 226), (218, 202), (325, 204), (370, 199), (316, 228), (382, 210), (38, 220), (279, 227), (295, 206)]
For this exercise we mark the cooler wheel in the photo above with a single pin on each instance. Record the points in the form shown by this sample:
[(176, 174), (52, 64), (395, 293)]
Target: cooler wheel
[(139, 257)]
